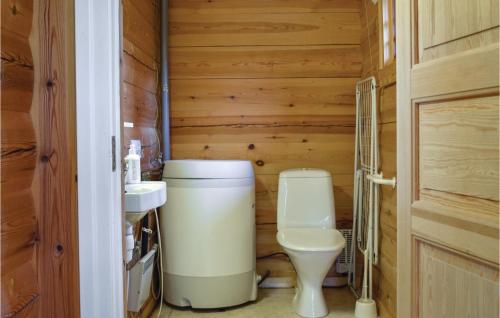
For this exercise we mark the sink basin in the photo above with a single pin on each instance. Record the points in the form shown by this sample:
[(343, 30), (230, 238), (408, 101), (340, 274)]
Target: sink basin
[(142, 197)]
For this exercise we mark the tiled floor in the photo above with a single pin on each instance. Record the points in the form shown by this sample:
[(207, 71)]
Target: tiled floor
[(271, 303)]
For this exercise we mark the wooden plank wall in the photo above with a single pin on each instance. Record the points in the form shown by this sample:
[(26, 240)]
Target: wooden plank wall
[(272, 82), (140, 97), (385, 279), (39, 258), (140, 76)]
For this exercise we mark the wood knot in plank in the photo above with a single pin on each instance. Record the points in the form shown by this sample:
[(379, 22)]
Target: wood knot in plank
[(59, 248)]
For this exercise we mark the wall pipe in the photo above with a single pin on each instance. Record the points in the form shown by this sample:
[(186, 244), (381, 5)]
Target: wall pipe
[(165, 102)]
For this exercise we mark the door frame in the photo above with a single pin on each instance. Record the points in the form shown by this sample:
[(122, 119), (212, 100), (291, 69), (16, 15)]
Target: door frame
[(404, 156), (100, 217)]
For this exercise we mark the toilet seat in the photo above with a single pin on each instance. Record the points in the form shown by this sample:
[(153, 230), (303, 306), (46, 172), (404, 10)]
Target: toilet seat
[(311, 239)]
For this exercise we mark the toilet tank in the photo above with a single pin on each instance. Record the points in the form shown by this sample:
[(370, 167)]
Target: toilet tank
[(305, 199)]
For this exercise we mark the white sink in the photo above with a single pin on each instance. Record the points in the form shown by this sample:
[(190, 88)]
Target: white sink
[(142, 197)]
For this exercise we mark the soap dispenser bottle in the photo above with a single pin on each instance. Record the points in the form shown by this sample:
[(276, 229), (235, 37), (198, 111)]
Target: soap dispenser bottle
[(133, 162)]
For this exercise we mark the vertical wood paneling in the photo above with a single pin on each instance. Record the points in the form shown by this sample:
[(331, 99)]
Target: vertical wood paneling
[(272, 82), (38, 223), (385, 274), (55, 176), (474, 285)]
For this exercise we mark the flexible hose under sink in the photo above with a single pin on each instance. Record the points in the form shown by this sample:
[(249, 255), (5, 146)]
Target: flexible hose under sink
[(160, 256)]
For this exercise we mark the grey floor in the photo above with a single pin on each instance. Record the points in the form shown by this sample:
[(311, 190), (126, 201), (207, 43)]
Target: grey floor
[(271, 303)]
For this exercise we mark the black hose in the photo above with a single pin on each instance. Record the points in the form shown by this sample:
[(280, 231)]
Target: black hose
[(272, 254)]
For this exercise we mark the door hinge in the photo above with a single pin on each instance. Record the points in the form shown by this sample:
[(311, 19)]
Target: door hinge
[(113, 153)]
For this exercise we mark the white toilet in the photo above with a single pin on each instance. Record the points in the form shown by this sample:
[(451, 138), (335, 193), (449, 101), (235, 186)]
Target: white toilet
[(306, 231)]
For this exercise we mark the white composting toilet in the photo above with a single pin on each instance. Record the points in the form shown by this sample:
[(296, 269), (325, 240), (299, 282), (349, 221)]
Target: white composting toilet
[(306, 231)]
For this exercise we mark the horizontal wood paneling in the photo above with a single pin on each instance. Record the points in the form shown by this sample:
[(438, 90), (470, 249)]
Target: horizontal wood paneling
[(272, 82), (19, 270), (388, 105), (140, 75), (474, 210), (39, 255), (141, 27), (285, 101), (139, 106), (17, 17), (262, 6), (140, 100), (458, 147), (249, 29), (136, 73), (274, 151), (265, 61), (468, 70), (369, 38)]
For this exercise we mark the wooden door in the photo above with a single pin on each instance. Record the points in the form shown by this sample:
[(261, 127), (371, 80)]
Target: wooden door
[(447, 75), (39, 251)]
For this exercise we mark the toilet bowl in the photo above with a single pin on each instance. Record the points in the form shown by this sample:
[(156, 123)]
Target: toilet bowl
[(306, 231)]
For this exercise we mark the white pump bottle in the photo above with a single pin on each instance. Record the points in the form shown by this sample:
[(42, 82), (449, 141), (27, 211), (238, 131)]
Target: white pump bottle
[(133, 162)]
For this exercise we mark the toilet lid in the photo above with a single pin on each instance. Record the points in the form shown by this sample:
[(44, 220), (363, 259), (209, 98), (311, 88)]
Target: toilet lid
[(311, 239)]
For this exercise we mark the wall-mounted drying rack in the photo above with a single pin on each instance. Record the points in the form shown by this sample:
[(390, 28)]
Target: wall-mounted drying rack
[(367, 179)]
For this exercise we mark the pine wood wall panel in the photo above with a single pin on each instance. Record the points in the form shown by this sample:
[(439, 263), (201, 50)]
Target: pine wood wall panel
[(55, 176), (385, 286), (274, 150), (140, 74), (440, 35), (265, 61), (214, 29), (39, 266), (20, 290), (272, 82), (140, 100), (284, 101), (263, 6), (459, 147), (440, 271)]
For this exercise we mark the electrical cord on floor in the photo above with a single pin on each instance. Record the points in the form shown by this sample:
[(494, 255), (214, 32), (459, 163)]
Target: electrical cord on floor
[(272, 254)]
